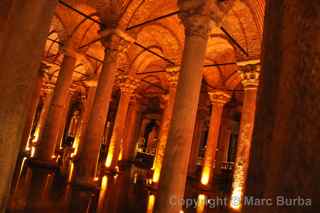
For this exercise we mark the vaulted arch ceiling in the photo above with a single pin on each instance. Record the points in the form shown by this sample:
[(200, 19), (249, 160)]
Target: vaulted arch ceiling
[(165, 37)]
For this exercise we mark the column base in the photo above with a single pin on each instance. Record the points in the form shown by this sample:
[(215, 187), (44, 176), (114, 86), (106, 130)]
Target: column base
[(110, 171), (153, 186), (86, 185), (203, 188), (125, 164), (50, 165)]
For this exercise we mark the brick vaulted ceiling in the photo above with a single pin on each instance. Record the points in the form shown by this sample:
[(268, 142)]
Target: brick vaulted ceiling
[(244, 23)]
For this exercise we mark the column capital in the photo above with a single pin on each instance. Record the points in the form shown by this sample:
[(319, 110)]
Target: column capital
[(173, 75), (219, 97), (127, 84), (164, 100), (250, 74)]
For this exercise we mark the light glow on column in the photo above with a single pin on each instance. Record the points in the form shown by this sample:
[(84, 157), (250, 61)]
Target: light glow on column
[(103, 191), (110, 153), (205, 175), (201, 204), (151, 201), (70, 172), (236, 198)]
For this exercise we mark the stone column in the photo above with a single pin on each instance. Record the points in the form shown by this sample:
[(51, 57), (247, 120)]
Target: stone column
[(224, 140), (172, 73), (218, 100), (127, 87), (55, 119), (130, 138), (47, 97), (285, 150), (250, 80), (20, 54), (63, 123), (175, 164), (74, 124), (85, 115), (197, 136), (89, 155), (26, 138)]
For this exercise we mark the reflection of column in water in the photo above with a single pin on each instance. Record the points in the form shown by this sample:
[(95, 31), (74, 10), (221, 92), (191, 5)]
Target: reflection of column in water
[(151, 200), (18, 199), (201, 204), (102, 194)]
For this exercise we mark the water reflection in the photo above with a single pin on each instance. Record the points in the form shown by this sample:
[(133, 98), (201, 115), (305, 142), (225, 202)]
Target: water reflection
[(43, 190)]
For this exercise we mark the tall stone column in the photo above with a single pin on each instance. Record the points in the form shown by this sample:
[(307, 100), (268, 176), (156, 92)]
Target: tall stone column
[(173, 74), (63, 123), (55, 118), (175, 164), (89, 155), (197, 137), (250, 80), (285, 150), (218, 100), (224, 140), (133, 121), (85, 115), (22, 45), (26, 139), (127, 87), (47, 97)]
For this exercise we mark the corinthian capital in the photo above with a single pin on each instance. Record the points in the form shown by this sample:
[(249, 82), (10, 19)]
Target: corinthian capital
[(173, 75), (127, 84), (250, 74), (219, 97)]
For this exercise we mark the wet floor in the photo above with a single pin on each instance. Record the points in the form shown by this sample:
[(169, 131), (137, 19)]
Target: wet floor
[(41, 190)]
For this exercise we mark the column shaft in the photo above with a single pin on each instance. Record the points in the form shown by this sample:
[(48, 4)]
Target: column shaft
[(63, 123), (55, 118), (116, 141), (163, 137), (285, 150), (250, 77), (195, 147), (224, 140), (175, 164), (80, 139), (213, 136), (130, 139), (88, 157), (43, 115), (26, 138), (22, 45)]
